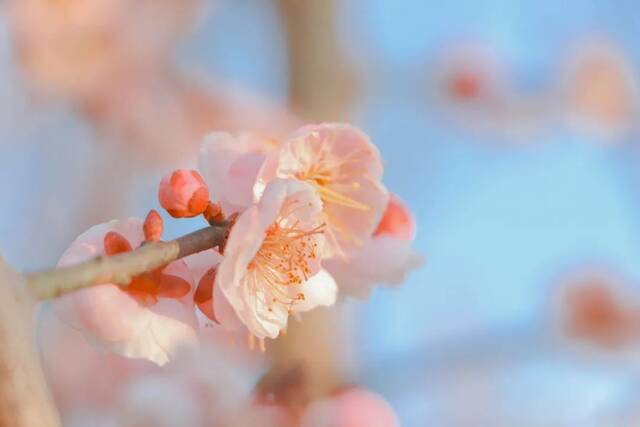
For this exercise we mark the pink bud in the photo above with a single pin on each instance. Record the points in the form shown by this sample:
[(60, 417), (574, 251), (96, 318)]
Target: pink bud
[(213, 213), (183, 194), (397, 220), (153, 226)]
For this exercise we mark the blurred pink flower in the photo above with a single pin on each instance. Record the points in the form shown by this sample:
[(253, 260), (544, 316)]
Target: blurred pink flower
[(75, 48), (345, 168), (351, 408), (600, 89), (183, 194), (386, 257), (271, 264), (79, 375), (151, 318), (468, 73), (198, 389), (599, 307), (230, 165)]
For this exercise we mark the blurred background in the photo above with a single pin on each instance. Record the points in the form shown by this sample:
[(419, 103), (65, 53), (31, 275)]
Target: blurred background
[(509, 128)]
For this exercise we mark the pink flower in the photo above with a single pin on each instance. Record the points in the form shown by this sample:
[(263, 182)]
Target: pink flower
[(350, 408), (600, 90), (198, 389), (345, 168), (386, 256), (183, 194), (78, 374), (271, 264), (151, 318), (230, 165), (78, 48)]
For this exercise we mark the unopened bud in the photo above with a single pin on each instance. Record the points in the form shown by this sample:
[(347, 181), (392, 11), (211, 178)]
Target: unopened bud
[(183, 194), (153, 226)]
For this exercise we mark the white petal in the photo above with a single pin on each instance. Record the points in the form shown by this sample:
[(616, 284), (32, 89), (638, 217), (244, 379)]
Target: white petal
[(320, 289)]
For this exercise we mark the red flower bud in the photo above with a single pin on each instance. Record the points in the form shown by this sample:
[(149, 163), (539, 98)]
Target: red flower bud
[(153, 226), (183, 194)]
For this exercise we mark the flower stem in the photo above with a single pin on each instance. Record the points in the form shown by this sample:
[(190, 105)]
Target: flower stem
[(119, 269)]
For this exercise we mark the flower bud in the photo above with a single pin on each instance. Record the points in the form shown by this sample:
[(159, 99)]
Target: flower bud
[(153, 226), (397, 220), (183, 194)]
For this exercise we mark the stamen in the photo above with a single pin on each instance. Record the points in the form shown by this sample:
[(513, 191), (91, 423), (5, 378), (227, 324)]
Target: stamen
[(329, 195), (283, 261)]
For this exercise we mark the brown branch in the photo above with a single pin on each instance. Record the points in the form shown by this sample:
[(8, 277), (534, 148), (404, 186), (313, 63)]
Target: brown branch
[(323, 85), (24, 398), (119, 269)]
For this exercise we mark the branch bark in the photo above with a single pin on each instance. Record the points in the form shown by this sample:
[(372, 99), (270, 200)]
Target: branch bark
[(322, 87), (322, 81), (24, 398), (119, 269)]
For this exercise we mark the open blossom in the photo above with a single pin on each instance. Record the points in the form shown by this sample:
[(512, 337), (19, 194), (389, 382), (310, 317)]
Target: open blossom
[(345, 169), (230, 165), (385, 258), (151, 318), (271, 264), (183, 194)]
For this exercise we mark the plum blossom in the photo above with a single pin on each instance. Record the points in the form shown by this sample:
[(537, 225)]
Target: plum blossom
[(271, 264), (350, 408), (599, 88), (597, 306), (230, 165), (344, 167), (385, 257), (183, 194), (77, 48), (151, 318), (197, 389), (79, 375)]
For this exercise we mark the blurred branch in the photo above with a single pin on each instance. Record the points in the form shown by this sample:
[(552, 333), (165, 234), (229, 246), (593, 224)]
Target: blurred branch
[(322, 83), (321, 88), (119, 269), (24, 398)]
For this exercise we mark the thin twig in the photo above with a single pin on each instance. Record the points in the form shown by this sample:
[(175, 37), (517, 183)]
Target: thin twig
[(119, 269)]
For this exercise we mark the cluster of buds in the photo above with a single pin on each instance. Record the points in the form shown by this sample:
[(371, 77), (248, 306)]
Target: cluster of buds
[(308, 218)]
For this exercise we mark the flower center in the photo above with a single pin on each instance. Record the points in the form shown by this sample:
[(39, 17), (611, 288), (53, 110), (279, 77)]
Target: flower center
[(283, 261), (331, 190)]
